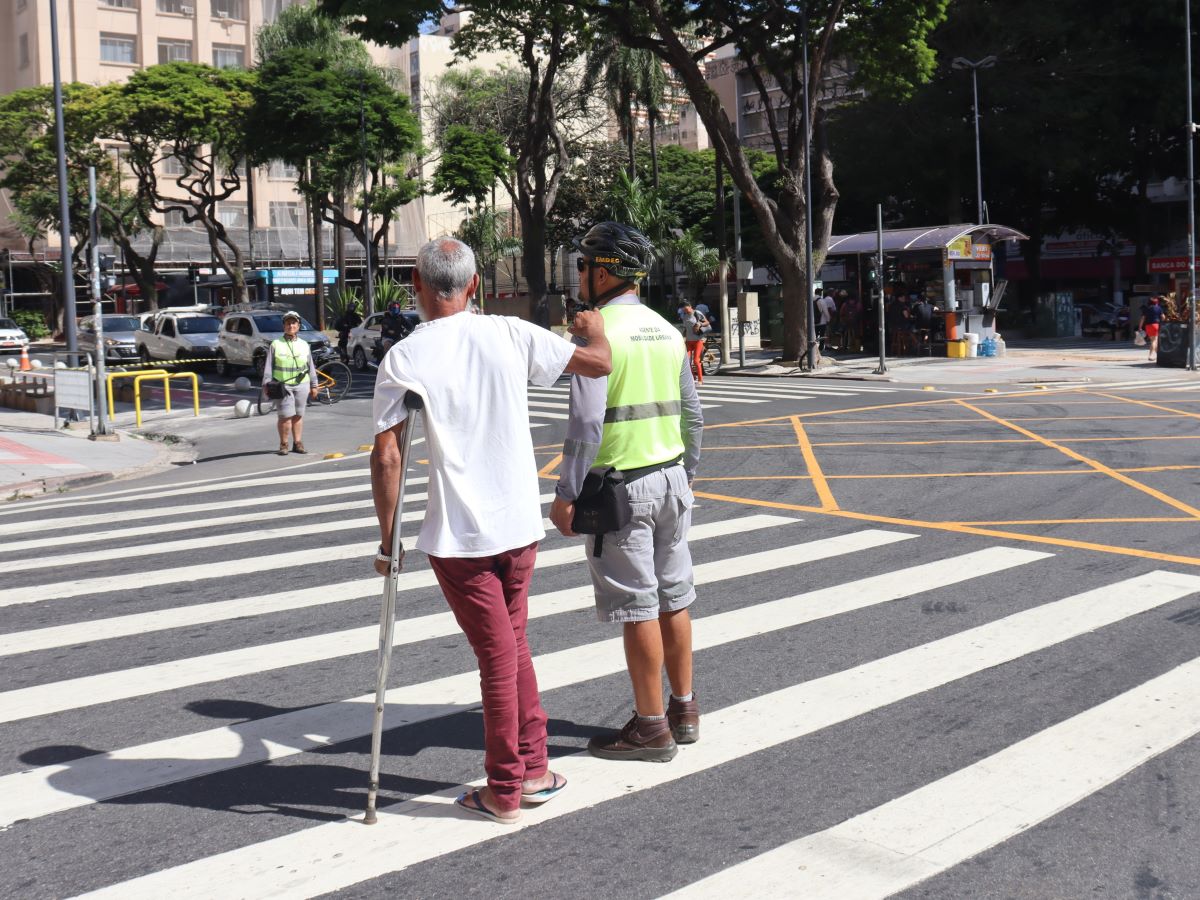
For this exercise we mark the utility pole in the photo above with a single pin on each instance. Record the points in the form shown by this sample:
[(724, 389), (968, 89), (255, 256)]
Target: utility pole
[(810, 301), (987, 62), (882, 370), (722, 264), (64, 207), (1191, 165), (102, 429)]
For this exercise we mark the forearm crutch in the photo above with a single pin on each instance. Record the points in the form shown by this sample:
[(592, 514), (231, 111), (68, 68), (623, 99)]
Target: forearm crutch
[(387, 617)]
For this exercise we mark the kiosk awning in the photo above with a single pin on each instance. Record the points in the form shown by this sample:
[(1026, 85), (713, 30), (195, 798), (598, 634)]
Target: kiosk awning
[(937, 238)]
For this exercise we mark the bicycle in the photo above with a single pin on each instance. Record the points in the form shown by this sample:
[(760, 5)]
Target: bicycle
[(333, 383)]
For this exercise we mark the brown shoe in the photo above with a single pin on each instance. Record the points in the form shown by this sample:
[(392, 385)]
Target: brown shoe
[(639, 739), (298, 448), (282, 451), (684, 719)]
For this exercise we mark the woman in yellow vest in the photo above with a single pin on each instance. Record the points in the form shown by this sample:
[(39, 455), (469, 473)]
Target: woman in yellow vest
[(290, 362)]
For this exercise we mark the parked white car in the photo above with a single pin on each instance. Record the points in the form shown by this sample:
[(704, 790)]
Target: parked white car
[(178, 336), (360, 347), (245, 336), (119, 334), (12, 337)]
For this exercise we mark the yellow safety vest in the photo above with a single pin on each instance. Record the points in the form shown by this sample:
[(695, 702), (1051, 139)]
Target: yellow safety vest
[(643, 410), (289, 360)]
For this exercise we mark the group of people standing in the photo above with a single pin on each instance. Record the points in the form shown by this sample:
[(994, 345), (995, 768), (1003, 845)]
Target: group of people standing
[(635, 418), (845, 323)]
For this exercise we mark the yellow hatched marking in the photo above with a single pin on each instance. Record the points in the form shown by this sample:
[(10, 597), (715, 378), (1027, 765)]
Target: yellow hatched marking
[(814, 467)]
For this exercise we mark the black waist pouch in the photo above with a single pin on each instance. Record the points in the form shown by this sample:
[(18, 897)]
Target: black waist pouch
[(602, 506)]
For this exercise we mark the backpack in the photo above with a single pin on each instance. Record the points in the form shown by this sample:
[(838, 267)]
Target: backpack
[(702, 325)]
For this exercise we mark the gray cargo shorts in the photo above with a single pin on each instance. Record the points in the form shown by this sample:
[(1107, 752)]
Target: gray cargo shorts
[(293, 401), (646, 567)]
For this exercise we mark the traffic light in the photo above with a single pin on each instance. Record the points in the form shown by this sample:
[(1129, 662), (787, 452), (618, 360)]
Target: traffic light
[(106, 268), (871, 275), (193, 274)]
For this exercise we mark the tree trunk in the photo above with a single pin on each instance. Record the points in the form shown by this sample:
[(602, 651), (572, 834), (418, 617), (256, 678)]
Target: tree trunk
[(318, 242), (793, 291), (533, 259), (629, 142)]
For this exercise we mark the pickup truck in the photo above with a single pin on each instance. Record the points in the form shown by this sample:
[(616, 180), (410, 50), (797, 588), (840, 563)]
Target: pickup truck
[(178, 336)]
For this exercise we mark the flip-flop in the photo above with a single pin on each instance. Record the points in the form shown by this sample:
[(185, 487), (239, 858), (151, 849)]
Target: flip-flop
[(546, 793), (472, 802)]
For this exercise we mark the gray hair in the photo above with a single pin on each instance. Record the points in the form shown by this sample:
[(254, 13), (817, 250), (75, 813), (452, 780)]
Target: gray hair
[(447, 265)]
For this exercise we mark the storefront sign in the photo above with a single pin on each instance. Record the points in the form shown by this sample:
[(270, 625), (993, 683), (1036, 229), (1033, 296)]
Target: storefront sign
[(959, 248), (1168, 264), (981, 251)]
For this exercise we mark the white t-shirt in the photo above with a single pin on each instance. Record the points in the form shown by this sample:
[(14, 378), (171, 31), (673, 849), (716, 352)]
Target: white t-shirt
[(826, 306), (473, 373)]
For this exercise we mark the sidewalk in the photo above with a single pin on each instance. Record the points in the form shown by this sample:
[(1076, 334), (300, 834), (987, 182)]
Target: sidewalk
[(1063, 361), (36, 460)]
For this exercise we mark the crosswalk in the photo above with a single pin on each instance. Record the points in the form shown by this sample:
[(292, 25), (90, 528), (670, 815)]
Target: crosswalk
[(188, 695), (726, 390)]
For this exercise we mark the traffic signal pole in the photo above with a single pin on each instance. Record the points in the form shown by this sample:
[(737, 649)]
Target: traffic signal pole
[(882, 370), (102, 429)]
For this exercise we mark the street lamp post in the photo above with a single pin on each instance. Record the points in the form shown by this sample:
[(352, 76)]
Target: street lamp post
[(987, 62), (1191, 166), (64, 208)]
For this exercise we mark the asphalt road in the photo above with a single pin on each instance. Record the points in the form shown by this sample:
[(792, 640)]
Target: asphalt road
[(946, 648)]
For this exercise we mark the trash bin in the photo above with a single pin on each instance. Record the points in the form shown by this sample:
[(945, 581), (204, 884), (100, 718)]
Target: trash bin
[(956, 349), (972, 344)]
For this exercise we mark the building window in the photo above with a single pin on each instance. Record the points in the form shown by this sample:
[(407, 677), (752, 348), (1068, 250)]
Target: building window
[(174, 51), (285, 215), (228, 9), (232, 214), (281, 171), (118, 48), (173, 218), (176, 7), (23, 51), (229, 56), (172, 165), (120, 4), (272, 9)]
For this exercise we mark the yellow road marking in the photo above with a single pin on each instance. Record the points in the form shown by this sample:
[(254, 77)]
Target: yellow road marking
[(709, 449), (1082, 521), (1179, 413), (1095, 464), (923, 443), (547, 471), (974, 419), (814, 467), (960, 529), (944, 474)]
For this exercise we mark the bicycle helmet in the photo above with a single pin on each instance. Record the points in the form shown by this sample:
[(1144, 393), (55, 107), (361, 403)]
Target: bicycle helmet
[(620, 249)]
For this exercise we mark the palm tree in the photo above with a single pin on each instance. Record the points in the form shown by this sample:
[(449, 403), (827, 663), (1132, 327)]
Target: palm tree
[(632, 79), (634, 202), (699, 263)]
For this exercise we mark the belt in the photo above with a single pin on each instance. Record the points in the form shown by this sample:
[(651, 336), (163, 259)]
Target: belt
[(634, 474)]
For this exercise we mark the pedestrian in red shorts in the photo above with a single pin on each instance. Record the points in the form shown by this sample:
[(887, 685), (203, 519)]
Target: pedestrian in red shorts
[(483, 519), (1151, 318)]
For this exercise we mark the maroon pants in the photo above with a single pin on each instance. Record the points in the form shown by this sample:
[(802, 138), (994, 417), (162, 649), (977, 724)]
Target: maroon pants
[(489, 596)]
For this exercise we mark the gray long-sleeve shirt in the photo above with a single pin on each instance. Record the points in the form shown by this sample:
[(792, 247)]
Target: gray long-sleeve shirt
[(585, 428)]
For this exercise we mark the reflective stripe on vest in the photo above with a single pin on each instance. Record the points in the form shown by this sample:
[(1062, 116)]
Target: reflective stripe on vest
[(289, 360), (642, 415)]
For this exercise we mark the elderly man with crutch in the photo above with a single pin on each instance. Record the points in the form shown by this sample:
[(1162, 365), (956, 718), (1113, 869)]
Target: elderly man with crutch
[(483, 519)]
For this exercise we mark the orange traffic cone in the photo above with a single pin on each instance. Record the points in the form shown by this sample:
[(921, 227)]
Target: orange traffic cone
[(25, 366)]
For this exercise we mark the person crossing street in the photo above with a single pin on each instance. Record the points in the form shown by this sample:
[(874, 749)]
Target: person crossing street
[(643, 420)]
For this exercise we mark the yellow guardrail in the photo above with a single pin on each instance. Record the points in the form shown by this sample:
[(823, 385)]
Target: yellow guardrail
[(152, 375), (112, 376)]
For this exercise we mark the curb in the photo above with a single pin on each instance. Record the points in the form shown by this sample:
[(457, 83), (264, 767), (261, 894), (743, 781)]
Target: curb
[(15, 493)]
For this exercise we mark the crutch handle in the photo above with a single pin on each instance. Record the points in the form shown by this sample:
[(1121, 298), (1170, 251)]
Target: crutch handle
[(414, 401)]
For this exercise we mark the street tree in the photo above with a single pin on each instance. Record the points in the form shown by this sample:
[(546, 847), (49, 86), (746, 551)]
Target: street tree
[(546, 38), (29, 173), (201, 116), (699, 263), (471, 162), (329, 122), (302, 27), (633, 81), (885, 43)]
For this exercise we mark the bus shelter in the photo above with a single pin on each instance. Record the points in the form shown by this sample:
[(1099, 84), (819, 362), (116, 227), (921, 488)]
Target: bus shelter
[(951, 265)]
